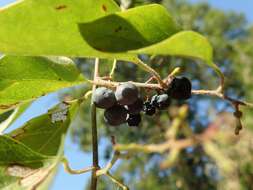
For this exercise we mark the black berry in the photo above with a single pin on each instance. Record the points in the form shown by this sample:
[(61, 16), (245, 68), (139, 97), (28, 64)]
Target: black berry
[(104, 98), (180, 88), (134, 120), (126, 93), (153, 100), (149, 109), (115, 115), (162, 101), (136, 107)]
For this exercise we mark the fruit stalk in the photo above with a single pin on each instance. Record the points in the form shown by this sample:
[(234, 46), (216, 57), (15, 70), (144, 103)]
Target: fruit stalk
[(147, 68), (94, 131)]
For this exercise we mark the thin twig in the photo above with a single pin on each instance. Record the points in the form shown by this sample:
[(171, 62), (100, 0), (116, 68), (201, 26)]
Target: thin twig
[(105, 170), (147, 68), (168, 145), (112, 84), (71, 171), (114, 66), (158, 148), (114, 180), (94, 132)]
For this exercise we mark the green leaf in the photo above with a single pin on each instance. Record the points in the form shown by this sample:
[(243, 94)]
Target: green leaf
[(184, 44), (25, 78), (30, 154), (44, 135), (133, 29), (50, 27), (146, 30)]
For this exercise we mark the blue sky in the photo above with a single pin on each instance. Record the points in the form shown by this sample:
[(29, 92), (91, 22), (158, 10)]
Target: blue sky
[(77, 158), (244, 6)]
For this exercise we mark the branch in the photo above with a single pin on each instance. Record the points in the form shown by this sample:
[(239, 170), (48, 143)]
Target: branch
[(215, 93), (94, 131), (111, 84)]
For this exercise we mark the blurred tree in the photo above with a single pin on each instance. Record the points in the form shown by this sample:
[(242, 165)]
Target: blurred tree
[(195, 168)]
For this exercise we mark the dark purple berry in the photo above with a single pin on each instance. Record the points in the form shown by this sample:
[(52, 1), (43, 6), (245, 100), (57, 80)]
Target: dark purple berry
[(149, 109), (134, 120), (115, 115), (180, 88), (136, 107), (126, 93), (104, 98)]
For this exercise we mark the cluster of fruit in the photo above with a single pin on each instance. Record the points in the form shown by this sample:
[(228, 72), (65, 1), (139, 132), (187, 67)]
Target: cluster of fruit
[(125, 105)]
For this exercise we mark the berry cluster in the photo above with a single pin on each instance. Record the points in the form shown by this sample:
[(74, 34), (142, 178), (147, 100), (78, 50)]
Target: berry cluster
[(125, 105)]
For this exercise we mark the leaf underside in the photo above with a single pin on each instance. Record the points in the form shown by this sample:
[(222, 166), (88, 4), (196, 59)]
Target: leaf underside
[(30, 154)]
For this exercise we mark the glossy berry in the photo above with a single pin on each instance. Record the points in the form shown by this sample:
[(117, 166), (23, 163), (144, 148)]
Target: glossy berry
[(162, 101), (136, 107), (149, 109), (115, 115), (180, 88), (134, 120), (104, 98), (126, 93)]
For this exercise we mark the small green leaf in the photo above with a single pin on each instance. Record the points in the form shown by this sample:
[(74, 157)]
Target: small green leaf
[(25, 78)]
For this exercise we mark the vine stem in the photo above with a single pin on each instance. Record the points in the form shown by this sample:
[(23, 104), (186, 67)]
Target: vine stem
[(94, 132)]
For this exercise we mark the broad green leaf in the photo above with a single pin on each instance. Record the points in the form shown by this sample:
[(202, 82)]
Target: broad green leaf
[(133, 29), (30, 154), (50, 27), (146, 30), (23, 79)]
